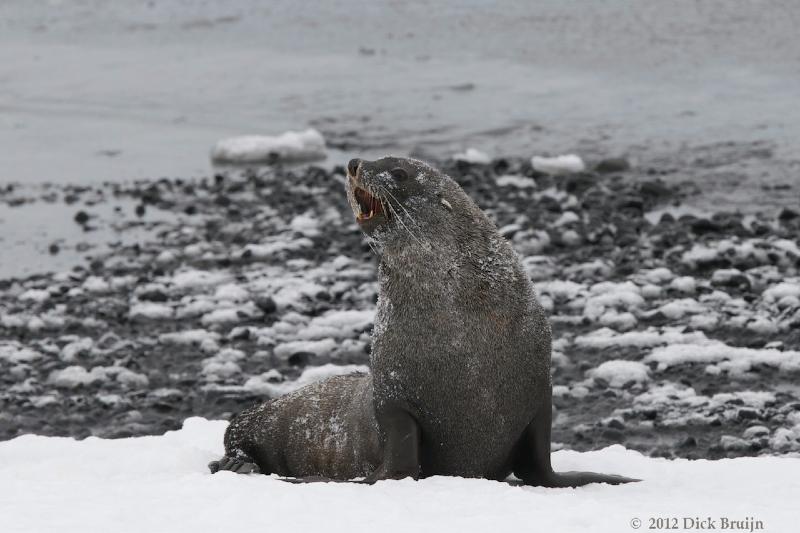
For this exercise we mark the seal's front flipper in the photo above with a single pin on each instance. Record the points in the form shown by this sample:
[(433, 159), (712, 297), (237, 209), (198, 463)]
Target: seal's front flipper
[(238, 465), (401, 450), (532, 461)]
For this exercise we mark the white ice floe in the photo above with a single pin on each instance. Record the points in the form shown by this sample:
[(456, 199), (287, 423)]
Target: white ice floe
[(291, 146), (473, 155), (558, 165), (619, 372), (162, 484)]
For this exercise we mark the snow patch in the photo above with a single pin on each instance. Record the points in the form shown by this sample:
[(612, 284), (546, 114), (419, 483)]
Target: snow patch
[(558, 165)]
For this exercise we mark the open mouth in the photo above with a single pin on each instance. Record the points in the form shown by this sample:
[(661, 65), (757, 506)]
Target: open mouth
[(365, 205)]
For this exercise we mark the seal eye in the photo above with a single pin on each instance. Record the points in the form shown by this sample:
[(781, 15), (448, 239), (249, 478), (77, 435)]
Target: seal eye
[(399, 174), (352, 167)]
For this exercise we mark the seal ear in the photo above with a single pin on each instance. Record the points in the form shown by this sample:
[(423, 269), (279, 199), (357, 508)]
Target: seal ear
[(399, 174)]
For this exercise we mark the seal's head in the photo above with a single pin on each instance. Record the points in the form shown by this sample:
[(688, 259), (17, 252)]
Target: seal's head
[(393, 198)]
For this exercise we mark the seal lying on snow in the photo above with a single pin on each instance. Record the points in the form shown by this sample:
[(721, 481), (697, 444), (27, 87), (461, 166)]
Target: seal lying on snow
[(324, 430), (461, 348)]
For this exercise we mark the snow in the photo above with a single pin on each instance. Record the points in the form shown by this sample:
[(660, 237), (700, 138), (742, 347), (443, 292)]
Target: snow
[(317, 347), (151, 310), (618, 373), (14, 352), (75, 376), (782, 290), (192, 279), (722, 357), (473, 155), (291, 146), (558, 165), (679, 308), (35, 295), (189, 337), (512, 180), (162, 484), (266, 382), (686, 284)]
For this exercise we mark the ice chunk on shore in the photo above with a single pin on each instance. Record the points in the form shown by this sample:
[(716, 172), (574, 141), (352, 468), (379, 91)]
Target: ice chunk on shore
[(473, 155), (292, 146), (558, 165), (618, 372)]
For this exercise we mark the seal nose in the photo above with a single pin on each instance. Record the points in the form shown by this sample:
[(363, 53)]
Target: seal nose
[(352, 166)]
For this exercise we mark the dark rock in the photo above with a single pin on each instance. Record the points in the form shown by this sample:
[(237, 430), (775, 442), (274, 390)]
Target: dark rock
[(616, 423), (746, 414), (154, 295), (612, 164), (788, 214), (266, 304), (81, 217), (300, 359)]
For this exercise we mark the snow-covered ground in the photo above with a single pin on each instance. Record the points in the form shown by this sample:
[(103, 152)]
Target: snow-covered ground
[(156, 484)]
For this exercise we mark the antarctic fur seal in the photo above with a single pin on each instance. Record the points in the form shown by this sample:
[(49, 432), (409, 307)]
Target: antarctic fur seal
[(460, 362), (461, 348), (326, 430)]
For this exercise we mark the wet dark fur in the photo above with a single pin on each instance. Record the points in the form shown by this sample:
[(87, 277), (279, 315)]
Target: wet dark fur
[(326, 430)]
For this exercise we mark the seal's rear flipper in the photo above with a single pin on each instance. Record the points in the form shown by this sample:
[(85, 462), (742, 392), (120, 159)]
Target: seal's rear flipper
[(239, 465), (578, 479), (532, 461)]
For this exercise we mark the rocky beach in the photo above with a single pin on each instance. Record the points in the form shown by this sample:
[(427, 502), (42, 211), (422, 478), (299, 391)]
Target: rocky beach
[(675, 333)]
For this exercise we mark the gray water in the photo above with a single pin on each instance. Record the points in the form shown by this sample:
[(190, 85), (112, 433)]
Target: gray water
[(94, 90)]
